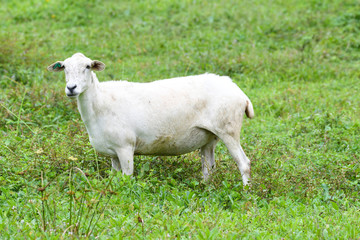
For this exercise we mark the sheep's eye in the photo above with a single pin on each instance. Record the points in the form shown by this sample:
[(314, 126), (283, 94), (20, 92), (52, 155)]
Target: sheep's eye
[(88, 67)]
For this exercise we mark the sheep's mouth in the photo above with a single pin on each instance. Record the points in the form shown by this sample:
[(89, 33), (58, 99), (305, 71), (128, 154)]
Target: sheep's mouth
[(71, 95)]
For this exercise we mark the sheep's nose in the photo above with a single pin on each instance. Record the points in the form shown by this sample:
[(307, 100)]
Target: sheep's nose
[(71, 88)]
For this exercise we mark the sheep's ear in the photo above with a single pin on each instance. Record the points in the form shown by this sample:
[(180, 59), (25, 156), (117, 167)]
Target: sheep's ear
[(97, 65), (56, 67)]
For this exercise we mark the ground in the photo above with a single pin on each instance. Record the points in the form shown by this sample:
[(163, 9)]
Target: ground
[(297, 61)]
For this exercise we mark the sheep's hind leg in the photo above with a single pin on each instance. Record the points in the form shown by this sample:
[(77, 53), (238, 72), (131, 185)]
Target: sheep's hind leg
[(239, 156), (208, 158), (126, 160)]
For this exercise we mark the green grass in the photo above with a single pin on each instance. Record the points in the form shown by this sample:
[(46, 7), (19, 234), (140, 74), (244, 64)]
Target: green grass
[(298, 62)]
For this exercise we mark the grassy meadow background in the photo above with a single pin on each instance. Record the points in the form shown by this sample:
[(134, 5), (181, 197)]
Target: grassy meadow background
[(298, 61)]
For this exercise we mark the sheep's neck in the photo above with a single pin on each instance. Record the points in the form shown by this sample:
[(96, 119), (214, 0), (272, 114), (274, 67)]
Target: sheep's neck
[(87, 105)]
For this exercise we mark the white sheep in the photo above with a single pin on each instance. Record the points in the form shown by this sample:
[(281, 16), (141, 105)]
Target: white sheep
[(166, 117)]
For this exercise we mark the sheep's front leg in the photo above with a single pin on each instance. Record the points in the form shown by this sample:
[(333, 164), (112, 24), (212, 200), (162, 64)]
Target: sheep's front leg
[(125, 157), (115, 163)]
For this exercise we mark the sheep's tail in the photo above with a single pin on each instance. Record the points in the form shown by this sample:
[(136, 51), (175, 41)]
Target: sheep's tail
[(249, 110)]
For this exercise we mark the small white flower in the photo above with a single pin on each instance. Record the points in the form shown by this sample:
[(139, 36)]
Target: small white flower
[(39, 151)]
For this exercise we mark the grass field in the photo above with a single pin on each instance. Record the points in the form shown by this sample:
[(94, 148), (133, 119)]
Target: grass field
[(298, 61)]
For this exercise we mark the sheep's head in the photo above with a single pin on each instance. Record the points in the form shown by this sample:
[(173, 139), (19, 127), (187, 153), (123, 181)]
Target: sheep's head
[(77, 70)]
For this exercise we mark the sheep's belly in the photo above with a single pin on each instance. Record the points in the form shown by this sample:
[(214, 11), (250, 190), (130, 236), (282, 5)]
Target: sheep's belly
[(167, 145)]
